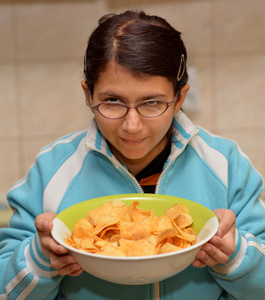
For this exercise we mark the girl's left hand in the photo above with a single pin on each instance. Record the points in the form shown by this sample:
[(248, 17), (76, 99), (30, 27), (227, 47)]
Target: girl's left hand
[(222, 245)]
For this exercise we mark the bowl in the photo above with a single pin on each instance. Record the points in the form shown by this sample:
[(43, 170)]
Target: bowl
[(138, 269)]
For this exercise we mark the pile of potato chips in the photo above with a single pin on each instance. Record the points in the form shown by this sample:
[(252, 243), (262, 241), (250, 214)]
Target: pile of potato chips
[(118, 230)]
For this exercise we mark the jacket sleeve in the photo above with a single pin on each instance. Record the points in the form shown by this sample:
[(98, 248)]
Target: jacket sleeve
[(25, 267), (243, 276)]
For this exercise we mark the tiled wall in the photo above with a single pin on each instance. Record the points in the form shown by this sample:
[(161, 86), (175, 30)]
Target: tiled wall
[(41, 49)]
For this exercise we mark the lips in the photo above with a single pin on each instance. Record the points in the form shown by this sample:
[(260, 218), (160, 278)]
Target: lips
[(132, 142)]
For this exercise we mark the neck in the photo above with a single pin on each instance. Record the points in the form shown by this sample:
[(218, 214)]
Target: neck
[(137, 165)]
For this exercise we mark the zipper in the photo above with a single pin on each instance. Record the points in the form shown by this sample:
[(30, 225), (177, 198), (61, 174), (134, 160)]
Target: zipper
[(156, 284), (156, 291), (131, 176), (117, 164), (174, 158)]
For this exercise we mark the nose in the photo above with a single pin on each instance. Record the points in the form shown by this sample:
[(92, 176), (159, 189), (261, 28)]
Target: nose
[(132, 122)]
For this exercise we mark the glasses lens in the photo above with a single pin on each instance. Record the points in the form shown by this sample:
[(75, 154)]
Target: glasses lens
[(112, 110), (152, 108)]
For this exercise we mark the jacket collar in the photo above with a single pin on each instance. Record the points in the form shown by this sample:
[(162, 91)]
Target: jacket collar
[(182, 133)]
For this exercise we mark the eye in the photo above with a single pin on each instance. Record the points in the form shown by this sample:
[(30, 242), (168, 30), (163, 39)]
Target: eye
[(112, 99), (151, 103)]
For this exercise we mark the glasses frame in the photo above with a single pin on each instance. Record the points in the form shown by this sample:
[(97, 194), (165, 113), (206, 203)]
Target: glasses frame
[(96, 107)]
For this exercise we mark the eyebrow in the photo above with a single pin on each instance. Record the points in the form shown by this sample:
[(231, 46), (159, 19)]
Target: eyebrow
[(146, 97)]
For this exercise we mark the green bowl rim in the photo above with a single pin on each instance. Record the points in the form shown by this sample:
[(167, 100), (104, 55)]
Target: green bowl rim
[(133, 197)]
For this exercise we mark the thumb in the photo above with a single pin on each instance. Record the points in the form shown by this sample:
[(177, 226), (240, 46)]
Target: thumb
[(226, 219), (43, 222)]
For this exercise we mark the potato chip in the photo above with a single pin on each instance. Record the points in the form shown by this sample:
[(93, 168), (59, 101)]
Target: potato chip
[(96, 214), (82, 228), (118, 230), (120, 210), (174, 211), (139, 214), (69, 241), (165, 234), (168, 247), (164, 222), (136, 230), (184, 235), (183, 220), (137, 248), (153, 239), (108, 232), (110, 250), (86, 244), (104, 222)]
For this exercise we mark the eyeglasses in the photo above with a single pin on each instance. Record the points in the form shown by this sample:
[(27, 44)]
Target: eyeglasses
[(117, 110)]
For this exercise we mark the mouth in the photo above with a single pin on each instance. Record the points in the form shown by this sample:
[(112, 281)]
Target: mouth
[(132, 142)]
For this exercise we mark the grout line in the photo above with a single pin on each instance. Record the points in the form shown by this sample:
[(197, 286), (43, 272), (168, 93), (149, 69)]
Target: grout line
[(213, 88), (19, 117)]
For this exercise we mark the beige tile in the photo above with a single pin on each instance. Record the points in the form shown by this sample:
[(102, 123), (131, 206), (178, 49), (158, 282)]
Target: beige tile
[(263, 195), (52, 99), (8, 121), (239, 25), (240, 92), (9, 171), (204, 116), (58, 29), (123, 4), (6, 32), (188, 15)]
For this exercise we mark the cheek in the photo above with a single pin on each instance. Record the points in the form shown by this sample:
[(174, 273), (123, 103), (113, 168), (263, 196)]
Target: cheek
[(107, 127), (162, 133), (162, 127)]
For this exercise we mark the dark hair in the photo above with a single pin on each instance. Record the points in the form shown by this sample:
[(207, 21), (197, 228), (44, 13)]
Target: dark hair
[(143, 44)]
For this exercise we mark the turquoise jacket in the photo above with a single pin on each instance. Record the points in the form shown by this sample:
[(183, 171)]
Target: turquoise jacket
[(202, 167)]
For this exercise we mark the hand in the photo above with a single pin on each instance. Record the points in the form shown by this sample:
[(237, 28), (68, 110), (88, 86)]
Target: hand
[(60, 259), (222, 245)]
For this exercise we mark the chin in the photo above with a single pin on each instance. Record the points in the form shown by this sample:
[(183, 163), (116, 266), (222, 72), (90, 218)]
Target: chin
[(132, 155)]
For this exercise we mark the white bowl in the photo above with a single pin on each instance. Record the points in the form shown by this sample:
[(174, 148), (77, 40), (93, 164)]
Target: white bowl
[(139, 269)]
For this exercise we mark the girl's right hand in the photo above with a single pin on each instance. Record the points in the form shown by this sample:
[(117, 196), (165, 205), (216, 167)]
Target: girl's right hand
[(60, 259)]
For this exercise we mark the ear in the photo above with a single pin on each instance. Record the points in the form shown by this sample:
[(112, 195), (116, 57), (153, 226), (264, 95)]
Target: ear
[(85, 89), (181, 98)]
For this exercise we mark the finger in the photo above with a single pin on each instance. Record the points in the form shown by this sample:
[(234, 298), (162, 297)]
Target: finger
[(43, 225), (70, 269), (66, 265), (43, 222), (76, 273), (49, 244), (226, 219), (225, 244), (198, 264), (207, 259), (212, 255), (61, 261)]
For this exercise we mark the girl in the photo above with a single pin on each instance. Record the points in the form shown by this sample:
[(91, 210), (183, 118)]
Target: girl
[(139, 141)]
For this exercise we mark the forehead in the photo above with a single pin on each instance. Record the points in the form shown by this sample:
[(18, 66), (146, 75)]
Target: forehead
[(118, 78)]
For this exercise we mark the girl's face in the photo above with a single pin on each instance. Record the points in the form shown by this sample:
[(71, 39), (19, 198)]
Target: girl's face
[(135, 140)]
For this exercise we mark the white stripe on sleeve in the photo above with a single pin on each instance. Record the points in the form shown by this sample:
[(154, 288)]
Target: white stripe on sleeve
[(35, 269), (212, 157), (45, 150), (235, 263), (59, 183)]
